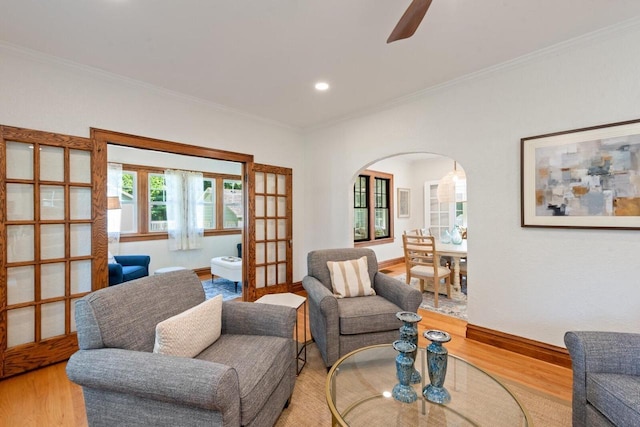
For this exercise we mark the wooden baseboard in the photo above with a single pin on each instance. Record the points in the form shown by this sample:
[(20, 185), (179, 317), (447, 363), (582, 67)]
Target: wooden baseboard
[(536, 349), (390, 262)]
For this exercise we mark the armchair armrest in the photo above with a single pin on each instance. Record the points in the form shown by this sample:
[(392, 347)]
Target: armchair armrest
[(141, 260), (607, 352), (246, 318), (323, 315), (399, 293), (115, 274), (179, 380), (322, 297)]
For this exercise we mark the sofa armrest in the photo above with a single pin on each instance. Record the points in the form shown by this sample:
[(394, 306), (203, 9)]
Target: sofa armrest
[(179, 380), (398, 292), (246, 318)]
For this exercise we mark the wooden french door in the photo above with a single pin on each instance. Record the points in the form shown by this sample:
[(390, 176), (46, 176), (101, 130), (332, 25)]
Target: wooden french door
[(272, 228), (52, 242)]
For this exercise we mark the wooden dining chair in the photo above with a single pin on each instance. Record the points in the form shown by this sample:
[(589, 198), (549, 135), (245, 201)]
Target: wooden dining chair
[(423, 262)]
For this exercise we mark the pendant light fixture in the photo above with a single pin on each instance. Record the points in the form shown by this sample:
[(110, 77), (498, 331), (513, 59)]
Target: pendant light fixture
[(453, 186)]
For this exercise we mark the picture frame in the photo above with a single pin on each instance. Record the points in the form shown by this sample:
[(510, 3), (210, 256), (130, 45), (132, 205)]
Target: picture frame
[(404, 202), (582, 178)]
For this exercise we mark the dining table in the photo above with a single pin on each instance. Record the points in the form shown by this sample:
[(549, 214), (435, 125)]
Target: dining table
[(456, 252)]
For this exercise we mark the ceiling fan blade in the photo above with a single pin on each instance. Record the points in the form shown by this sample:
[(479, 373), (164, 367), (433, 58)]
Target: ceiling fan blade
[(410, 21)]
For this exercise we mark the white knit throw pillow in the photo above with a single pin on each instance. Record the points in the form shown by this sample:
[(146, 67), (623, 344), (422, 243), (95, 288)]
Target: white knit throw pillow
[(350, 278), (188, 333)]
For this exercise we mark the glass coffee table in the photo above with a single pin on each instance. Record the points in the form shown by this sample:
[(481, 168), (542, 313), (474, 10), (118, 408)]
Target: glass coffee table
[(359, 388)]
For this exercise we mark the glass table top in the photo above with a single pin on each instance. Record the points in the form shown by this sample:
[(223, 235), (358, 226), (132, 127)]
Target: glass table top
[(359, 388)]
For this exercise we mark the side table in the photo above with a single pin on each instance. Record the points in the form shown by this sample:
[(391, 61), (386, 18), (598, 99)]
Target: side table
[(295, 301)]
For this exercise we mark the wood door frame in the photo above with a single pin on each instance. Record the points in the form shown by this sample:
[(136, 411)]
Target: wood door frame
[(102, 137), (288, 173), (44, 352)]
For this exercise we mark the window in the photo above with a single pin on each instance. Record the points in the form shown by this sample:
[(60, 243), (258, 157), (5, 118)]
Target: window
[(144, 203), (373, 205), (232, 203), (157, 203), (441, 217), (129, 202)]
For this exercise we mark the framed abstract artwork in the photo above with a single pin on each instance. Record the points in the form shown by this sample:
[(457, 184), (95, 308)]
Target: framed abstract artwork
[(583, 178), (403, 203)]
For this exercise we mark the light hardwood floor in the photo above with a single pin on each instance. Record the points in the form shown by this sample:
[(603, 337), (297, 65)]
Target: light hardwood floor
[(46, 397)]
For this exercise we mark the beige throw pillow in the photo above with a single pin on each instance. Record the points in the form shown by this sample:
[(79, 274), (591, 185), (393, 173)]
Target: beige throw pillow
[(188, 333), (350, 278)]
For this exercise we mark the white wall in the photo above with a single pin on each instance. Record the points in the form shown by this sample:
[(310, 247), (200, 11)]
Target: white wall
[(44, 93), (535, 283)]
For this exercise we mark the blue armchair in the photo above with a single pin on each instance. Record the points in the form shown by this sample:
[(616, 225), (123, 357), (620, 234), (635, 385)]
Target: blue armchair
[(128, 267)]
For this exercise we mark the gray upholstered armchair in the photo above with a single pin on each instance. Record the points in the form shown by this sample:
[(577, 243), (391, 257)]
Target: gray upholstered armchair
[(341, 325), (245, 377), (606, 378)]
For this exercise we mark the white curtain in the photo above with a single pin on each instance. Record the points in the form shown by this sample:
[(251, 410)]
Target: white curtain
[(114, 189), (185, 211)]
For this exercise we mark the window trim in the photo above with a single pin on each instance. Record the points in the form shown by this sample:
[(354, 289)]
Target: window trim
[(371, 207), (143, 233)]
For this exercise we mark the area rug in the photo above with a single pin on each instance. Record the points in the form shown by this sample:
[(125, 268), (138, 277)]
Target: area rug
[(309, 406), (455, 307), (223, 287)]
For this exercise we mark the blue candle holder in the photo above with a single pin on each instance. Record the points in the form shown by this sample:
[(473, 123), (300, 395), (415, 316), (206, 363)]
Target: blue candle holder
[(437, 356), (403, 392), (409, 332)]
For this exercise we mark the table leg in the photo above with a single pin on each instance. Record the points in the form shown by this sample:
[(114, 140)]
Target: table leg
[(457, 289)]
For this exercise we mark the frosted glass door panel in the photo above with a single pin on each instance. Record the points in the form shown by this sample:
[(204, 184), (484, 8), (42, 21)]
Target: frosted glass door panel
[(80, 203), (282, 184), (20, 243), (282, 251), (20, 284), (271, 275), (52, 241), (260, 206), (282, 229), (52, 317), (51, 202), (260, 255), (259, 229), (51, 163), (259, 182), (80, 166), (282, 272), (19, 202), (21, 326), (80, 276), (260, 283), (271, 229), (282, 206), (271, 206), (52, 280), (271, 183), (19, 160), (271, 252), (80, 239)]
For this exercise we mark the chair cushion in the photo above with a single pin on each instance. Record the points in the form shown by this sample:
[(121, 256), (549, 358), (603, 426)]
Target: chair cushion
[(259, 363), (427, 271), (350, 278), (616, 396), (188, 333), (131, 272), (363, 315)]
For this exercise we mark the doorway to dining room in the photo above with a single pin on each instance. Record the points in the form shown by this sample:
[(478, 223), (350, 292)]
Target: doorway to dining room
[(409, 201)]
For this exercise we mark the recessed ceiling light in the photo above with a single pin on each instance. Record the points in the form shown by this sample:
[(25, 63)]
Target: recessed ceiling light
[(322, 86)]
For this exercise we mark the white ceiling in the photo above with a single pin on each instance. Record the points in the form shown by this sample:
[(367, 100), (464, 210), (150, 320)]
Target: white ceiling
[(262, 57)]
